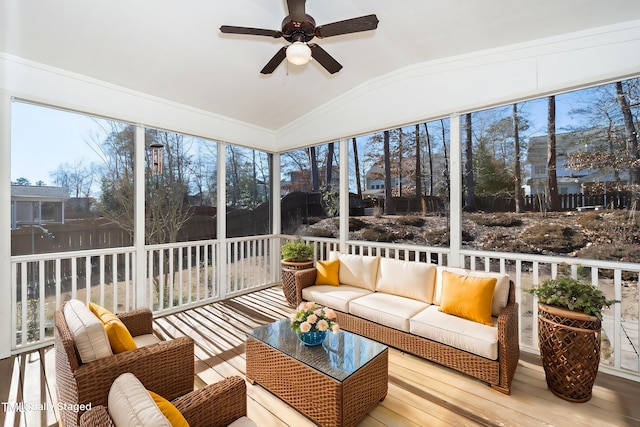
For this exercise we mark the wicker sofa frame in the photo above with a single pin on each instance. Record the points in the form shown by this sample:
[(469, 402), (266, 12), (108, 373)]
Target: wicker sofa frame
[(497, 373), (167, 368), (216, 405)]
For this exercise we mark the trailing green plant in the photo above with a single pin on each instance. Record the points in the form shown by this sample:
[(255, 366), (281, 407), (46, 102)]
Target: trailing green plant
[(573, 294), (296, 250)]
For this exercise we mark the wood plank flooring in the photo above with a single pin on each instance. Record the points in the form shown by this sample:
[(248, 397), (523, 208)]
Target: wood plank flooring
[(420, 393)]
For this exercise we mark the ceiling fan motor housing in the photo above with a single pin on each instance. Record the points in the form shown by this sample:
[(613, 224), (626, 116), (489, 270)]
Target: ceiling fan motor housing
[(294, 31)]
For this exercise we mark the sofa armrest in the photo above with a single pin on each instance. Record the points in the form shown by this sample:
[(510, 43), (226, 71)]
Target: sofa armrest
[(508, 344), (217, 404), (303, 279), (166, 368), (138, 322), (97, 416)]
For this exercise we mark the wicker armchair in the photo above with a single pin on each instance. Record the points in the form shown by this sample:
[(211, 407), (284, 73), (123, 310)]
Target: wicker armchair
[(166, 367), (216, 405)]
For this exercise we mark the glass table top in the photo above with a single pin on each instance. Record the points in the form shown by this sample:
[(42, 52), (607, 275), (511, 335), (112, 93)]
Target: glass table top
[(340, 355)]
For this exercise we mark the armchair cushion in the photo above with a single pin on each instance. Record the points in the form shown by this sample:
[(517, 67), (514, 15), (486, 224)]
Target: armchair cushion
[(146, 340), (242, 422), (130, 405), (90, 338), (119, 337)]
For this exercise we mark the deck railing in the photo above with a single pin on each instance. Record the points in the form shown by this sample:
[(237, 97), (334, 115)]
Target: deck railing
[(176, 276), (182, 275)]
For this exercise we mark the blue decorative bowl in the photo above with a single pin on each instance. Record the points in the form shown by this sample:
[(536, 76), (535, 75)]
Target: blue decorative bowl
[(312, 338)]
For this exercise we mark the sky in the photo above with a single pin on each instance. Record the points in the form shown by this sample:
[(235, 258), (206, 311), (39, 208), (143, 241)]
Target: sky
[(43, 138)]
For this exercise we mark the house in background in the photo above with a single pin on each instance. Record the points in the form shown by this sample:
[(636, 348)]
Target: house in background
[(37, 205), (570, 181)]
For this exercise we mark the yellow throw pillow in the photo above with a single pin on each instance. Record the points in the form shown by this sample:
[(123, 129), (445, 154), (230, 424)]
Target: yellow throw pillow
[(168, 410), (328, 272), (468, 297), (119, 336)]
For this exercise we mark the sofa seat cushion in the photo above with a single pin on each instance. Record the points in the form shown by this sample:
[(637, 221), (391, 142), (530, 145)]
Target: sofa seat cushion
[(500, 293), (360, 271), (454, 331), (389, 310), (415, 280), (336, 297)]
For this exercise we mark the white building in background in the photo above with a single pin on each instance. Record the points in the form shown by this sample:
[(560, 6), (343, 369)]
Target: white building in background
[(37, 205), (570, 181)]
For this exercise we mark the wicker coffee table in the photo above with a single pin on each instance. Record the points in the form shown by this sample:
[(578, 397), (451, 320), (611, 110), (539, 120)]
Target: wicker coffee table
[(334, 384)]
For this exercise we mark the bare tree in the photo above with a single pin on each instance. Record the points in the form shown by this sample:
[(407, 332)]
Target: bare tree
[(631, 136), (329, 171), (445, 172), (400, 160), (77, 178), (356, 161), (315, 177), (418, 155), (517, 172), (165, 192), (554, 197), (470, 202), (389, 207)]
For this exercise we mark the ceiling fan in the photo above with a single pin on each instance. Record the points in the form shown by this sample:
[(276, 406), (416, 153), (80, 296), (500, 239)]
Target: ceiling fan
[(298, 28)]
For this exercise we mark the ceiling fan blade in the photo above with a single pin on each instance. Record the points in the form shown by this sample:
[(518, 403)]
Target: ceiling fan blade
[(353, 25), (326, 60), (228, 29), (275, 61), (296, 10)]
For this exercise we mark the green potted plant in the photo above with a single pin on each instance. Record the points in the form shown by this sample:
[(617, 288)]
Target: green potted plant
[(296, 251), (569, 326), (296, 255)]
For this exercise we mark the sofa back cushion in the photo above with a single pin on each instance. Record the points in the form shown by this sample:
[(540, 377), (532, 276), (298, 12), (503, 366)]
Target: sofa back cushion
[(415, 280), (89, 336), (357, 270), (500, 293)]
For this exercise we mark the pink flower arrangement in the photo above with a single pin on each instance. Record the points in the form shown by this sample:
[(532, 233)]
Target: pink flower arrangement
[(311, 317)]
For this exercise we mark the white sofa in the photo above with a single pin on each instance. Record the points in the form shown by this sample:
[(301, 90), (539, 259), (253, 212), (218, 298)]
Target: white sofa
[(401, 303)]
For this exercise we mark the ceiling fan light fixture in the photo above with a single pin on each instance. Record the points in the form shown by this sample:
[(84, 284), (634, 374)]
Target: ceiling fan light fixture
[(298, 53)]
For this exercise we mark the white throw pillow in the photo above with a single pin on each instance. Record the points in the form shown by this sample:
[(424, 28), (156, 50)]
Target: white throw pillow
[(357, 270), (88, 332), (131, 405)]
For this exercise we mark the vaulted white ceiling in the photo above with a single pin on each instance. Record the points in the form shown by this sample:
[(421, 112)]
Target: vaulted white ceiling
[(174, 50)]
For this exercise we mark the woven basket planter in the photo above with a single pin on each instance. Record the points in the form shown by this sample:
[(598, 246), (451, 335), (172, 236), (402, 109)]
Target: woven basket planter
[(288, 280), (570, 349)]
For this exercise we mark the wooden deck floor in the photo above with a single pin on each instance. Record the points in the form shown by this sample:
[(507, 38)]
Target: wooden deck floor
[(420, 393)]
